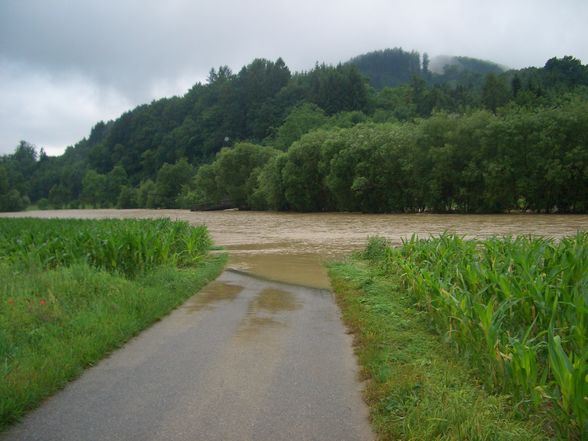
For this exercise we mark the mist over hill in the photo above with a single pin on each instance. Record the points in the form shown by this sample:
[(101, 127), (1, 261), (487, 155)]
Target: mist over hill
[(394, 67)]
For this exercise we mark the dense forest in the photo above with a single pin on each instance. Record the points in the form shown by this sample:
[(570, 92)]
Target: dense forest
[(389, 131)]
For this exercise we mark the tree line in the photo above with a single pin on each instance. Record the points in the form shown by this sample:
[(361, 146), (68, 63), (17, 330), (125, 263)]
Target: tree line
[(505, 141), (476, 163)]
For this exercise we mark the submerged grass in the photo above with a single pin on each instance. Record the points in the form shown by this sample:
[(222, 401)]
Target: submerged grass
[(63, 310), (513, 310)]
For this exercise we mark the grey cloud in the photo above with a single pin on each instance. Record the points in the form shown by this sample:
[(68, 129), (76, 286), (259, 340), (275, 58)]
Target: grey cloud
[(51, 111), (138, 50)]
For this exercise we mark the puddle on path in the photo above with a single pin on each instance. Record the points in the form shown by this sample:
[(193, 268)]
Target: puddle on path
[(266, 311), (214, 292), (299, 269), (251, 327), (275, 300)]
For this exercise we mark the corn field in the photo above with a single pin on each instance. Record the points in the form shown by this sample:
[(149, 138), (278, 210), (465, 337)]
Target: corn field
[(515, 308), (128, 247)]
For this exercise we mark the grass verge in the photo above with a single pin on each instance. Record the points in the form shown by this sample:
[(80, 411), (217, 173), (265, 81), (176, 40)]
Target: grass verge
[(55, 321), (417, 388)]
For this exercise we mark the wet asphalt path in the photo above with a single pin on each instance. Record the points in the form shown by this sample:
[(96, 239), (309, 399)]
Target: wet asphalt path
[(245, 359)]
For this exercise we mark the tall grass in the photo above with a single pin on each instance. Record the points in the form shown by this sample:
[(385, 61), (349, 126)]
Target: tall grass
[(128, 247), (516, 308), (73, 290)]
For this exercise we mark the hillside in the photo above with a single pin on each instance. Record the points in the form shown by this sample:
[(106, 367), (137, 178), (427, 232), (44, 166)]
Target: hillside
[(395, 67), (157, 155)]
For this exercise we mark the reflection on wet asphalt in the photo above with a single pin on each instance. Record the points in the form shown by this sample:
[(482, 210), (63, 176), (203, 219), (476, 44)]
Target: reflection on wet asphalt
[(213, 293)]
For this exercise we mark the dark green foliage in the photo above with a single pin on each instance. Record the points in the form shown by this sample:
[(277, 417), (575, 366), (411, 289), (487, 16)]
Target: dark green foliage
[(565, 72), (269, 194), (389, 67), (170, 180), (117, 179), (303, 174), (468, 69), (301, 119), (475, 163), (59, 196), (94, 190), (396, 67), (337, 89), (15, 171), (232, 176), (531, 155), (495, 92), (147, 194), (127, 198)]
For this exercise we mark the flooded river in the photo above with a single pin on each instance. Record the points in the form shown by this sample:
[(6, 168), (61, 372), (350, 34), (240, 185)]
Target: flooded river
[(290, 247)]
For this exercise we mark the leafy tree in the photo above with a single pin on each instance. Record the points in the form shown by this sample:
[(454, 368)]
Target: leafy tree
[(565, 72), (337, 89), (237, 170), (127, 197), (204, 186), (516, 85), (394, 104), (95, 189), (59, 196), (301, 120), (420, 97), (494, 93), (13, 201), (170, 180), (269, 193), (147, 194), (303, 176), (117, 179), (389, 67), (10, 198), (426, 63)]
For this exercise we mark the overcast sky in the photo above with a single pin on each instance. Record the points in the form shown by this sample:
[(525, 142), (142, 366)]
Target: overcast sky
[(67, 64)]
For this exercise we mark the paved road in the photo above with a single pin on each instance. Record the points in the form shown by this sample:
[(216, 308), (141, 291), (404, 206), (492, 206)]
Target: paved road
[(245, 359)]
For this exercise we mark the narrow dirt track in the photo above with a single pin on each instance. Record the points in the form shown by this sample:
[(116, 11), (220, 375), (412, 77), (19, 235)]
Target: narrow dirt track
[(245, 359)]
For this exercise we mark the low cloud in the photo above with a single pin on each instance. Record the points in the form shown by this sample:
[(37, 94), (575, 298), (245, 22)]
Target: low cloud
[(51, 111), (64, 65)]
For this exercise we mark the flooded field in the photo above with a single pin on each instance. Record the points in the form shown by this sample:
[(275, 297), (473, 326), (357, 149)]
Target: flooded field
[(290, 247)]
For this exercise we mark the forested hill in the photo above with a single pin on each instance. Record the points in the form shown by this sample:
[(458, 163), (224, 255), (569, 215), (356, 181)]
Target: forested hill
[(439, 130), (395, 67)]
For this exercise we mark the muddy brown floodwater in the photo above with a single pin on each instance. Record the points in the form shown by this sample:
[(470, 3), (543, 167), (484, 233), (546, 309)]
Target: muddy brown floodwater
[(291, 247)]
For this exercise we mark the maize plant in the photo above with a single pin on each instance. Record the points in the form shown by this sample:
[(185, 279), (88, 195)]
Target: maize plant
[(128, 247), (516, 308)]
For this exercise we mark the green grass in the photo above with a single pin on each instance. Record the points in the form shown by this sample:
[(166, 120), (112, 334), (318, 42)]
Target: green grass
[(513, 310), (61, 314), (126, 246), (416, 389)]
